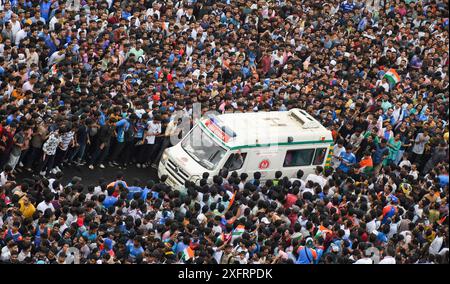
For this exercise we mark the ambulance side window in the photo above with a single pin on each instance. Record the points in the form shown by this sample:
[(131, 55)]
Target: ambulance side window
[(319, 156), (235, 161), (297, 158)]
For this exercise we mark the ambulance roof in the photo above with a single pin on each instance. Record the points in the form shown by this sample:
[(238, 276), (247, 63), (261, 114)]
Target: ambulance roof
[(262, 129)]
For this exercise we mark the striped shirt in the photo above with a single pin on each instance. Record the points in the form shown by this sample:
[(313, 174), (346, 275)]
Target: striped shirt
[(66, 138)]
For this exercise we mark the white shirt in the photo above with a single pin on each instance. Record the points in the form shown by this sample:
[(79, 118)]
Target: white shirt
[(415, 174), (393, 229), (27, 86), (336, 154), (54, 190), (180, 13), (387, 260), (153, 128), (372, 226), (302, 182), (43, 206), (15, 28), (189, 50), (307, 190), (317, 179), (52, 23), (97, 190), (6, 254), (55, 58), (20, 35), (217, 229), (3, 178), (150, 12), (201, 218), (404, 163), (384, 85), (170, 129), (436, 245), (364, 261)]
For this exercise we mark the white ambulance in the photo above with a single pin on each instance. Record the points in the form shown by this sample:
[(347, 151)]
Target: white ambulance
[(264, 142)]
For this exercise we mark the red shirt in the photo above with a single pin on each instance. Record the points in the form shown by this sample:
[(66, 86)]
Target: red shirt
[(290, 200)]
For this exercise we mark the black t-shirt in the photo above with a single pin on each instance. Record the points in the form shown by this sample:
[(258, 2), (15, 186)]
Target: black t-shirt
[(82, 134), (105, 134), (366, 146), (361, 125)]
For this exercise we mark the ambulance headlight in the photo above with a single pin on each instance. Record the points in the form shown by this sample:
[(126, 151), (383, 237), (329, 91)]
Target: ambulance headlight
[(164, 157)]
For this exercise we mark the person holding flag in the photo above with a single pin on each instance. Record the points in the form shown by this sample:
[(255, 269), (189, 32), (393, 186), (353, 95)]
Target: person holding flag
[(392, 77), (188, 253)]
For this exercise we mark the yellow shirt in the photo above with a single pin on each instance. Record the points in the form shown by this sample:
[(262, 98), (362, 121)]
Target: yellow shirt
[(349, 103), (446, 136), (27, 211)]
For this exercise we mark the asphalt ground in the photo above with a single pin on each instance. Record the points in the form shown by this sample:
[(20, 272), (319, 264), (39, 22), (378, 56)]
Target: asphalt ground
[(89, 176)]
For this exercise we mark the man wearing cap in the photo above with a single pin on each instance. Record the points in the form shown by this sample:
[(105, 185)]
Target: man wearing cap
[(307, 253)]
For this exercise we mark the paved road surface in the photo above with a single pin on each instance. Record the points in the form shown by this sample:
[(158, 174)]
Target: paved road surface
[(92, 176)]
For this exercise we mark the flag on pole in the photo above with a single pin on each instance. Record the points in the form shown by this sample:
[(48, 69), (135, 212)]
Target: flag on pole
[(188, 253), (392, 76), (238, 231)]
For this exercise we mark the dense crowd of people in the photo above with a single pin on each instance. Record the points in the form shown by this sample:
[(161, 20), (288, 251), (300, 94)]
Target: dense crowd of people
[(103, 84)]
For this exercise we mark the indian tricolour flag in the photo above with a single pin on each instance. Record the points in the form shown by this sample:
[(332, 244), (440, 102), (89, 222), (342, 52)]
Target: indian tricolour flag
[(238, 231), (188, 253), (392, 76)]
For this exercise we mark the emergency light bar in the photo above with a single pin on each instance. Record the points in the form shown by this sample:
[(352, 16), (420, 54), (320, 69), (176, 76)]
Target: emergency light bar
[(222, 131)]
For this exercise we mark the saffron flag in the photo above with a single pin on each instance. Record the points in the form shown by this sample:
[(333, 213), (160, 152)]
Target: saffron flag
[(392, 76), (233, 197)]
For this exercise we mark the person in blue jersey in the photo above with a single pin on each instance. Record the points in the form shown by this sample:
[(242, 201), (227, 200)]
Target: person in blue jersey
[(45, 9), (380, 154), (443, 177), (91, 233), (121, 127), (347, 159), (307, 253), (348, 6), (134, 190), (135, 248), (110, 200), (13, 233)]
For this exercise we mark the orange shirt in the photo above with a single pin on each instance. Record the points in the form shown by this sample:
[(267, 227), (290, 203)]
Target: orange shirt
[(17, 95)]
